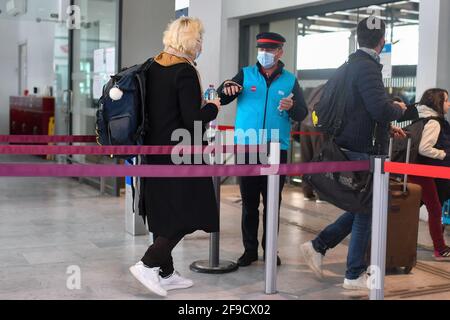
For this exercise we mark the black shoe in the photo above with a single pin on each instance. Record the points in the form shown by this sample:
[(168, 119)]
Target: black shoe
[(278, 260), (247, 259)]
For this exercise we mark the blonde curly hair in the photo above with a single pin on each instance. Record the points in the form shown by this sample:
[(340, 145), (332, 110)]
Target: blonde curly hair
[(185, 35)]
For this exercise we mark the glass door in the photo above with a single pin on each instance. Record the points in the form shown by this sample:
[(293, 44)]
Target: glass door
[(94, 59), (61, 82)]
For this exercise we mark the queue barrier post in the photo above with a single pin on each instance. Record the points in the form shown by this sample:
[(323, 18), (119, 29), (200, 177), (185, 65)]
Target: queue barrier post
[(273, 201), (379, 229), (214, 265)]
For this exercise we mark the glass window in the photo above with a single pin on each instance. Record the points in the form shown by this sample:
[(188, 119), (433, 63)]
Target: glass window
[(313, 54)]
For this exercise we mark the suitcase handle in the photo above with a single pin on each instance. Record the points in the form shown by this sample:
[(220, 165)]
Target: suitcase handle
[(408, 157)]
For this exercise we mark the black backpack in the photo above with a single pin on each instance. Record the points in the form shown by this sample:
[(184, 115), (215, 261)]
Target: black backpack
[(328, 114), (123, 121), (414, 130)]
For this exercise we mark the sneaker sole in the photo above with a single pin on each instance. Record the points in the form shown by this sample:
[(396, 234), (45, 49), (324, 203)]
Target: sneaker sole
[(176, 287), (441, 258), (137, 276), (306, 255), (354, 288)]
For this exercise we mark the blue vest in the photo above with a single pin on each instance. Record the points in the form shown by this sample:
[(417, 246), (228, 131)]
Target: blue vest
[(257, 109)]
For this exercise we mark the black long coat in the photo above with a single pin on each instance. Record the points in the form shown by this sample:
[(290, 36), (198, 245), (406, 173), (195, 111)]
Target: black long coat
[(176, 206)]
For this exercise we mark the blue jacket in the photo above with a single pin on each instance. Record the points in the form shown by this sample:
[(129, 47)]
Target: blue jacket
[(258, 109), (370, 105)]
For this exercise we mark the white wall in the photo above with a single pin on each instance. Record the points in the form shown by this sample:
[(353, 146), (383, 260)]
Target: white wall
[(39, 37), (9, 52), (443, 76), (40, 42), (434, 46), (428, 46), (144, 22)]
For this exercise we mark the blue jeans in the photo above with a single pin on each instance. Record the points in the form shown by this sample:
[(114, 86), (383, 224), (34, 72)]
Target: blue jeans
[(358, 225)]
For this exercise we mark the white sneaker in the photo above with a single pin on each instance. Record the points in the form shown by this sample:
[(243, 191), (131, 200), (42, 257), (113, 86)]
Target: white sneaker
[(358, 284), (149, 277), (312, 258), (175, 281), (318, 201)]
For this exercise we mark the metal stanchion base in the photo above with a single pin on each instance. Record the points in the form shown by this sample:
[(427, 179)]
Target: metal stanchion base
[(275, 296), (203, 266)]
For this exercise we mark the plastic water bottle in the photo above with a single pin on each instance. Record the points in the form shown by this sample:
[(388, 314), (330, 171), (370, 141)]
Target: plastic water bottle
[(446, 213), (211, 93)]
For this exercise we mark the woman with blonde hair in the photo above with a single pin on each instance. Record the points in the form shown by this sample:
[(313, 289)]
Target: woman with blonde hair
[(174, 207)]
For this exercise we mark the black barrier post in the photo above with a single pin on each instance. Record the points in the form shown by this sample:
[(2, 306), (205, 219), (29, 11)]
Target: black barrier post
[(214, 265)]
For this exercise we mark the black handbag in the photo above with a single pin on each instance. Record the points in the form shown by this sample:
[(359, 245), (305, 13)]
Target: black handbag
[(349, 191)]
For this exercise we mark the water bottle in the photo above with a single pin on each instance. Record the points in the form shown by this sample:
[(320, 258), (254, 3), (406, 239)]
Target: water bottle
[(446, 213), (211, 93)]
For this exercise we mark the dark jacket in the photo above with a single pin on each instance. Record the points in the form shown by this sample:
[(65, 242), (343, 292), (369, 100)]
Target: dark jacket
[(443, 185), (443, 143), (368, 105), (176, 206), (444, 137)]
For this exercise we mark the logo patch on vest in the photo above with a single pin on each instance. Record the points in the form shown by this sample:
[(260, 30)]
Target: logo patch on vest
[(281, 93), (253, 88)]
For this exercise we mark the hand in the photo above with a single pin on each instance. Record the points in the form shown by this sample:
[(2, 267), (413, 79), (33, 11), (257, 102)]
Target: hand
[(402, 105), (231, 88), (447, 155), (286, 104), (215, 102), (398, 133)]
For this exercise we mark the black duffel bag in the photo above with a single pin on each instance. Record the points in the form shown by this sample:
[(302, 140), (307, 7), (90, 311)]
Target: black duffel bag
[(349, 191)]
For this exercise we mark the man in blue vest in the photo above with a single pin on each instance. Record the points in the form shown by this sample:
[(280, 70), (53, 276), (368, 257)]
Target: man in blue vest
[(268, 98)]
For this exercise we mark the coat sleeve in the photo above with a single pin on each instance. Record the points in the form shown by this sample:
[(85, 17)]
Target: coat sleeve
[(376, 100), (190, 101), (300, 110), (430, 136)]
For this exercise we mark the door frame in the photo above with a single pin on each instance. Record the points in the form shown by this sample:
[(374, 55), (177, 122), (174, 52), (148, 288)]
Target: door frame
[(116, 185), (22, 78)]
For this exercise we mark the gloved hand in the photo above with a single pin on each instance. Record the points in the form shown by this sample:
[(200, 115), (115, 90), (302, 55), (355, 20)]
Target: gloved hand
[(447, 157)]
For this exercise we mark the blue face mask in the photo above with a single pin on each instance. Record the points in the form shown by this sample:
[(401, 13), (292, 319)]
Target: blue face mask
[(266, 59)]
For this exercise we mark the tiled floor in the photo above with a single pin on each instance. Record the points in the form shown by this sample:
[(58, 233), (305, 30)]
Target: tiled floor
[(48, 225)]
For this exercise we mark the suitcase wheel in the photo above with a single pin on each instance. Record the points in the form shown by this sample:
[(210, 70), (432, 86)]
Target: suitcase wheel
[(407, 270)]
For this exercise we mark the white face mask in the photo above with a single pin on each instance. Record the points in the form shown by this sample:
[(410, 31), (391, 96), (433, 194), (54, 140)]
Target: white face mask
[(199, 50), (266, 59)]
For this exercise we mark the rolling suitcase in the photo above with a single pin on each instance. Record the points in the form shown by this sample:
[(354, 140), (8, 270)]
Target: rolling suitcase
[(403, 222)]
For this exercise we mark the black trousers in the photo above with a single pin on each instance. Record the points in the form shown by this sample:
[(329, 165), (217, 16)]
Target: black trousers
[(252, 188), (309, 145), (159, 254)]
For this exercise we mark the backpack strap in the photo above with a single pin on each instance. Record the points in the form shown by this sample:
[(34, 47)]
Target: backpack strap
[(142, 81), (342, 100), (343, 97)]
